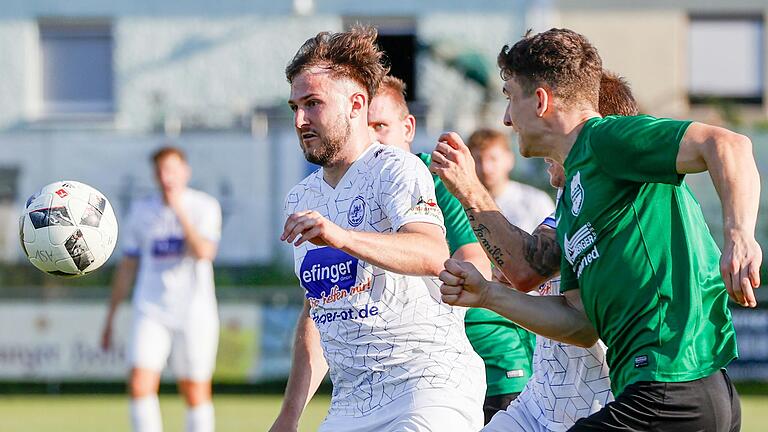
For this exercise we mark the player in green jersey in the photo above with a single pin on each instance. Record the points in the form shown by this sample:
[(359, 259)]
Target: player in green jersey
[(505, 347), (640, 268)]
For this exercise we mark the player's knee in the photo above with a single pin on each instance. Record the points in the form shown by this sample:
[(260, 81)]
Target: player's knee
[(143, 383), (196, 392)]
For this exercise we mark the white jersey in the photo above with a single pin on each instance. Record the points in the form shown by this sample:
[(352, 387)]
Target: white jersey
[(524, 206), (568, 382), (384, 335), (171, 284)]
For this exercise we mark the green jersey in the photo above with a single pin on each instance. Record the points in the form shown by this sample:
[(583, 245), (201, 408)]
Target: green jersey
[(635, 243), (506, 348)]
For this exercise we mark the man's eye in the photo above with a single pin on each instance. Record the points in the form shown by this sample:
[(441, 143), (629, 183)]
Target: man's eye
[(378, 127)]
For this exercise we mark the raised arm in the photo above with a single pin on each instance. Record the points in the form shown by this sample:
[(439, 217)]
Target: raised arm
[(418, 248), (556, 317), (727, 156), (526, 260)]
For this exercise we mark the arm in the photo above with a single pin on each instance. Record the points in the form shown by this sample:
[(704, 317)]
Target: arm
[(121, 285), (474, 254), (728, 158), (199, 246), (556, 317), (527, 260), (308, 368), (418, 248)]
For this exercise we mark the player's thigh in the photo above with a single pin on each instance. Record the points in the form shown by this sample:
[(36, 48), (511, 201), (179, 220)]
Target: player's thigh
[(635, 409), (149, 345), (194, 349), (516, 418)]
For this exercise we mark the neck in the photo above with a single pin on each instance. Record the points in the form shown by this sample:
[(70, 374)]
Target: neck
[(569, 125), (351, 151)]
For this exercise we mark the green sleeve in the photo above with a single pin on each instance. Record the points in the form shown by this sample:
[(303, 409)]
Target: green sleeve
[(458, 231), (568, 280), (638, 148)]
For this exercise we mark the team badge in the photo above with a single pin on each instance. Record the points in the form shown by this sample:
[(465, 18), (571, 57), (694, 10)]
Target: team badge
[(577, 194), (356, 212)]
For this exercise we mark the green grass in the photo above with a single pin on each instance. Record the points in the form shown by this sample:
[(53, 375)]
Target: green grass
[(98, 413)]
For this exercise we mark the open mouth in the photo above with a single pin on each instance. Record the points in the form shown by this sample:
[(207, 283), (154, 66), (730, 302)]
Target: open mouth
[(306, 136)]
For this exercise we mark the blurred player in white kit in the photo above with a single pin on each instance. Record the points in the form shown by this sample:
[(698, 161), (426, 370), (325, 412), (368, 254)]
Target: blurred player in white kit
[(169, 242), (369, 241)]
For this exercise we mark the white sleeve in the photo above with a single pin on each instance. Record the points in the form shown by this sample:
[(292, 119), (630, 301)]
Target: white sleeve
[(407, 193), (130, 235), (210, 224)]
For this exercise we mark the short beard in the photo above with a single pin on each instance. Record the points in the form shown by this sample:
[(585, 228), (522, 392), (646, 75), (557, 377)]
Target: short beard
[(330, 145)]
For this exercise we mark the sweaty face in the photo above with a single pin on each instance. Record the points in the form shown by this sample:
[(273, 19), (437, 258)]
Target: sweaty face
[(320, 107), (556, 173), (387, 123), (172, 173), (521, 116), (493, 165)]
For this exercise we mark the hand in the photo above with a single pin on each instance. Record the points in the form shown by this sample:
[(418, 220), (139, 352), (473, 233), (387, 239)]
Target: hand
[(174, 200), (463, 285), (454, 164), (740, 267), (106, 337), (314, 228)]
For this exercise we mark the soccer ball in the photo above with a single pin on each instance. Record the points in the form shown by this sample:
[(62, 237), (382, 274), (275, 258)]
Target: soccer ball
[(68, 229)]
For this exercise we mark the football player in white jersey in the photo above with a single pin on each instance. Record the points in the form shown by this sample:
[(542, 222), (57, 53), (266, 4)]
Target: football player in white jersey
[(568, 382), (169, 243), (369, 241)]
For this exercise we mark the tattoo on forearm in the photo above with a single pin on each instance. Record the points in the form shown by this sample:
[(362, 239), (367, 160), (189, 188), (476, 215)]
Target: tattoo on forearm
[(543, 254), (540, 250), (483, 235)]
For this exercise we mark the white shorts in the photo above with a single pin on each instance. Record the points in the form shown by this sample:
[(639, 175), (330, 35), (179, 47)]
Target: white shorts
[(516, 418), (430, 410), (192, 348)]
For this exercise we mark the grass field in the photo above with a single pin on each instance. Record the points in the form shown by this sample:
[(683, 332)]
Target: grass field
[(233, 413)]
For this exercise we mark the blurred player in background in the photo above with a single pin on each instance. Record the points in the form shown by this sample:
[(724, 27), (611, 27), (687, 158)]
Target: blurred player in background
[(506, 349), (639, 267), (369, 241), (563, 375), (169, 243), (523, 205)]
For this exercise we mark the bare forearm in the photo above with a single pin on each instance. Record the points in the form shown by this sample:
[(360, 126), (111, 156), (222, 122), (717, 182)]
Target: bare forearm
[(409, 253), (199, 247), (308, 368), (526, 260), (121, 284), (737, 181), (474, 254), (550, 316)]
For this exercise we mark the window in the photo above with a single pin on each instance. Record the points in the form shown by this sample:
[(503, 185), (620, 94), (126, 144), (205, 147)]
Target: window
[(76, 67), (397, 38), (726, 58)]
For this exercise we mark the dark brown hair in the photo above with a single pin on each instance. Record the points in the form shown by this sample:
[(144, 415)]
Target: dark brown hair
[(616, 96), (560, 59), (352, 54), (164, 152), (395, 88), (485, 138)]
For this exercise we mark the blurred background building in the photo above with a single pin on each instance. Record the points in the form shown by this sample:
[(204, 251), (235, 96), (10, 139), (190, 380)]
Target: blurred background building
[(88, 88)]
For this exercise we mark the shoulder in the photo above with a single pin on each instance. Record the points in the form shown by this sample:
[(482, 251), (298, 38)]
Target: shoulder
[(203, 199), (393, 162), (307, 184), (145, 204)]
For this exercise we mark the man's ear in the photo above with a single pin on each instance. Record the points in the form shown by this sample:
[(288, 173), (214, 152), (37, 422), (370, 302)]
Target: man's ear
[(359, 105), (410, 128), (544, 98)]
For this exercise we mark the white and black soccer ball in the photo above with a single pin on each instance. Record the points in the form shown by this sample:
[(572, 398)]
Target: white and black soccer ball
[(68, 229)]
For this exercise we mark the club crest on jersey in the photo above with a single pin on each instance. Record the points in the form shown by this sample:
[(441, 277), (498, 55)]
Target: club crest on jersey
[(356, 212), (325, 271), (577, 194)]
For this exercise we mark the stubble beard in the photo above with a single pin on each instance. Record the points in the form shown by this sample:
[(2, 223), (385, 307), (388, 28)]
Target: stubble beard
[(331, 144)]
